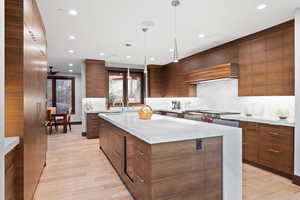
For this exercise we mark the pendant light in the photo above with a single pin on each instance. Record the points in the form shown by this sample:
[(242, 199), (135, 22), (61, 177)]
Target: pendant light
[(175, 3), (145, 62)]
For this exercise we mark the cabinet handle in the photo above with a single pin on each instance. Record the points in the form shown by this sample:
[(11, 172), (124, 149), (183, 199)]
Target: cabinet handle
[(273, 151), (274, 133), (140, 153), (244, 143), (140, 179)]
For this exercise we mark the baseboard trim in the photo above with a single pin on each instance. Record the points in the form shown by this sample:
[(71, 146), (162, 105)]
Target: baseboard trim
[(83, 134), (296, 180), (76, 123)]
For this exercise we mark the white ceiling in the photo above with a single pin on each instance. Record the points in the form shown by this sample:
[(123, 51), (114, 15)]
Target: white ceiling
[(106, 25)]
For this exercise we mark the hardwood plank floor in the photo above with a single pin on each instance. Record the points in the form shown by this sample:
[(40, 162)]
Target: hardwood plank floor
[(78, 170)]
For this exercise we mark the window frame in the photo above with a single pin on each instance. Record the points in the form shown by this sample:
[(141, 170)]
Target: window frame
[(54, 78), (125, 85)]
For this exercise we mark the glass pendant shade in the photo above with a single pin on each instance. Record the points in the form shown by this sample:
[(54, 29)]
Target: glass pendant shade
[(175, 53)]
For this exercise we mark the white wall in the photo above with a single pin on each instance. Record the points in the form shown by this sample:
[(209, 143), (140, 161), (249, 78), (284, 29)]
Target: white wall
[(78, 96), (1, 99), (297, 91)]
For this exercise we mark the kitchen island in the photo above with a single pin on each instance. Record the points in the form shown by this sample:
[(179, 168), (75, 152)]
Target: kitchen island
[(169, 158)]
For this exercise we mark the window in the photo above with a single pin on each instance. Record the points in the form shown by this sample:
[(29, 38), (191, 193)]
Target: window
[(125, 89), (61, 93)]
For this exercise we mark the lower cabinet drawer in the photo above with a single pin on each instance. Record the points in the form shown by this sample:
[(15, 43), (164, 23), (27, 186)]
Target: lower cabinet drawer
[(278, 159)]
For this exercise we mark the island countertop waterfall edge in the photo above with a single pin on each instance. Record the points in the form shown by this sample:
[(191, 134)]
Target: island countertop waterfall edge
[(163, 129)]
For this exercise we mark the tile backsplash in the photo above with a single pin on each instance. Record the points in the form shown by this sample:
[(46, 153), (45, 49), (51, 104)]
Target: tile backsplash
[(90, 104), (223, 96), (166, 103)]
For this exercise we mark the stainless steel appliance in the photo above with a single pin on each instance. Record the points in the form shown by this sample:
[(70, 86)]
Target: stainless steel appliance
[(211, 116)]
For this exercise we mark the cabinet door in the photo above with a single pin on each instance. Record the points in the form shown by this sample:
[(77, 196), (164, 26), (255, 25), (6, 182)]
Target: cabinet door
[(259, 67), (250, 141), (92, 126), (288, 74), (245, 66), (129, 156), (275, 64)]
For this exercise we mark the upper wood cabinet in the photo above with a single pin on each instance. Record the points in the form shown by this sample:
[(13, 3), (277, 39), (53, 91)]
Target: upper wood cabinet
[(96, 79), (267, 64), (155, 81)]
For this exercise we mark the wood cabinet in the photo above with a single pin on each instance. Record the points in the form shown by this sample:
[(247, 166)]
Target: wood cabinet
[(267, 64), (11, 175), (250, 141), (25, 90), (265, 60), (269, 146), (177, 170), (96, 77), (155, 81), (92, 125), (276, 148)]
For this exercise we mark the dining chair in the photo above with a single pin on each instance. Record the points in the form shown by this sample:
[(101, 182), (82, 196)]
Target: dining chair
[(60, 120), (69, 118), (50, 121)]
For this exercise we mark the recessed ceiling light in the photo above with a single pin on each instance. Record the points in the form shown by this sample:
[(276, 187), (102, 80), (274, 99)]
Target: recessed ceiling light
[(261, 6), (128, 57), (152, 59), (72, 37), (171, 50), (71, 65), (70, 70), (71, 51), (73, 12), (101, 54), (201, 36)]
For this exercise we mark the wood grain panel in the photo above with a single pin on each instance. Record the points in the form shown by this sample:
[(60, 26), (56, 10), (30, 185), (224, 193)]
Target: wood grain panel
[(228, 70), (93, 123), (25, 91), (250, 141), (96, 79), (181, 168), (11, 175), (156, 79)]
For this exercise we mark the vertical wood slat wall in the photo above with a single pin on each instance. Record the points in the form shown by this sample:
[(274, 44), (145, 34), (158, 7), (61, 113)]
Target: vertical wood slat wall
[(25, 90)]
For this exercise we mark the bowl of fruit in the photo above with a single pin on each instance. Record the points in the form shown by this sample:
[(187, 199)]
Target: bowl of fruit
[(145, 113)]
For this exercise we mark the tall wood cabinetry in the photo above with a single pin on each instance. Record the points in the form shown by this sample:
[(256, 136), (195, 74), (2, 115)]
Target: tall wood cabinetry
[(267, 64), (25, 90)]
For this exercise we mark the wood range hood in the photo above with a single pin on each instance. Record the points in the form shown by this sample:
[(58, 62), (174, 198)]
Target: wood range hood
[(223, 71)]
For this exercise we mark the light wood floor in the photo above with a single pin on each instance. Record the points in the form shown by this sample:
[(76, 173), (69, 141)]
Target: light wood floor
[(78, 170)]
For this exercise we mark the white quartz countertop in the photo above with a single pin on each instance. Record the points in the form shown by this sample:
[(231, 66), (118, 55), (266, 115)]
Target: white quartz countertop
[(277, 122), (10, 143), (162, 129)]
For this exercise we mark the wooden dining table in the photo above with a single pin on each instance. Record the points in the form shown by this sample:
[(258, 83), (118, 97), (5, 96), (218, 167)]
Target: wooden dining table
[(65, 120)]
